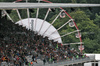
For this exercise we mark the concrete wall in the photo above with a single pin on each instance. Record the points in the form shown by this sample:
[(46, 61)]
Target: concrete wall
[(92, 64), (88, 64)]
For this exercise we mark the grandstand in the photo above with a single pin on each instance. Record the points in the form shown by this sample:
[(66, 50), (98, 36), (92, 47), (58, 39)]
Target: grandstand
[(17, 43), (21, 46)]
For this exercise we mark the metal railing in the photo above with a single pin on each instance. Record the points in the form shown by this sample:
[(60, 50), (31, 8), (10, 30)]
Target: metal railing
[(75, 61), (61, 63)]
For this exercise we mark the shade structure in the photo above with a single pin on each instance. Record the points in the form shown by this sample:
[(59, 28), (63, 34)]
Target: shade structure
[(28, 24)]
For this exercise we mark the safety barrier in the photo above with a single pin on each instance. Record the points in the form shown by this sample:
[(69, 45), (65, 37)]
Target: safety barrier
[(62, 63)]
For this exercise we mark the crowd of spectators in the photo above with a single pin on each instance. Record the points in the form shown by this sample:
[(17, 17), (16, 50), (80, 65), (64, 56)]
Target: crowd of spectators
[(17, 42)]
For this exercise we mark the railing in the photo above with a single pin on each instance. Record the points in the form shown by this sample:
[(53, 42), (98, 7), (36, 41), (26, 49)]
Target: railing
[(67, 62), (75, 61), (62, 63)]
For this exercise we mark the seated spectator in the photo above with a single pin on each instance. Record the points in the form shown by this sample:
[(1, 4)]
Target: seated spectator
[(17, 44)]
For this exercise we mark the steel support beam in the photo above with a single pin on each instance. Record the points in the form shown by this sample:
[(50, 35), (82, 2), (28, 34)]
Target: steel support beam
[(10, 5)]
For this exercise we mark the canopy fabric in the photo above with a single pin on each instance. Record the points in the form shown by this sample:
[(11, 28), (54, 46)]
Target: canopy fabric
[(28, 21)]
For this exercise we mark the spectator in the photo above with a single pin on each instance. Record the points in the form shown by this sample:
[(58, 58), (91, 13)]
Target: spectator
[(16, 44), (44, 61)]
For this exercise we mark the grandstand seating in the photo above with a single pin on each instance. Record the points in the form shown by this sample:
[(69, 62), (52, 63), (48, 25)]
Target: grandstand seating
[(17, 43)]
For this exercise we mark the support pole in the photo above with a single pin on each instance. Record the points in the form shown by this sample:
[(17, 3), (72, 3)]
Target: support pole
[(8, 15), (19, 15), (37, 15), (52, 22), (61, 26), (44, 19), (73, 43), (32, 23), (28, 14), (66, 34)]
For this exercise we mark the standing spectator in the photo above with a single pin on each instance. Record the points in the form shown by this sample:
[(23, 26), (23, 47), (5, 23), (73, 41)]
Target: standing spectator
[(44, 61)]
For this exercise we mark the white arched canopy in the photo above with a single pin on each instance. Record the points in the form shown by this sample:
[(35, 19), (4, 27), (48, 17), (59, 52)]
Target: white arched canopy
[(27, 23)]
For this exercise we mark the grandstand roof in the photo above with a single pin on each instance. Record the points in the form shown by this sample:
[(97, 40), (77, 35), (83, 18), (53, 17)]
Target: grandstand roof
[(27, 24)]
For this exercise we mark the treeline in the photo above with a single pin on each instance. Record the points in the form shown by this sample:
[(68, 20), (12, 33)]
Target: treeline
[(87, 20)]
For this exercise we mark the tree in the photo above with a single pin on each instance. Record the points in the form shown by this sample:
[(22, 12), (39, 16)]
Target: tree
[(91, 45), (97, 20)]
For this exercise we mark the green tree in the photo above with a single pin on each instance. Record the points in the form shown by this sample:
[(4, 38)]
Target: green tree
[(91, 45), (97, 20)]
